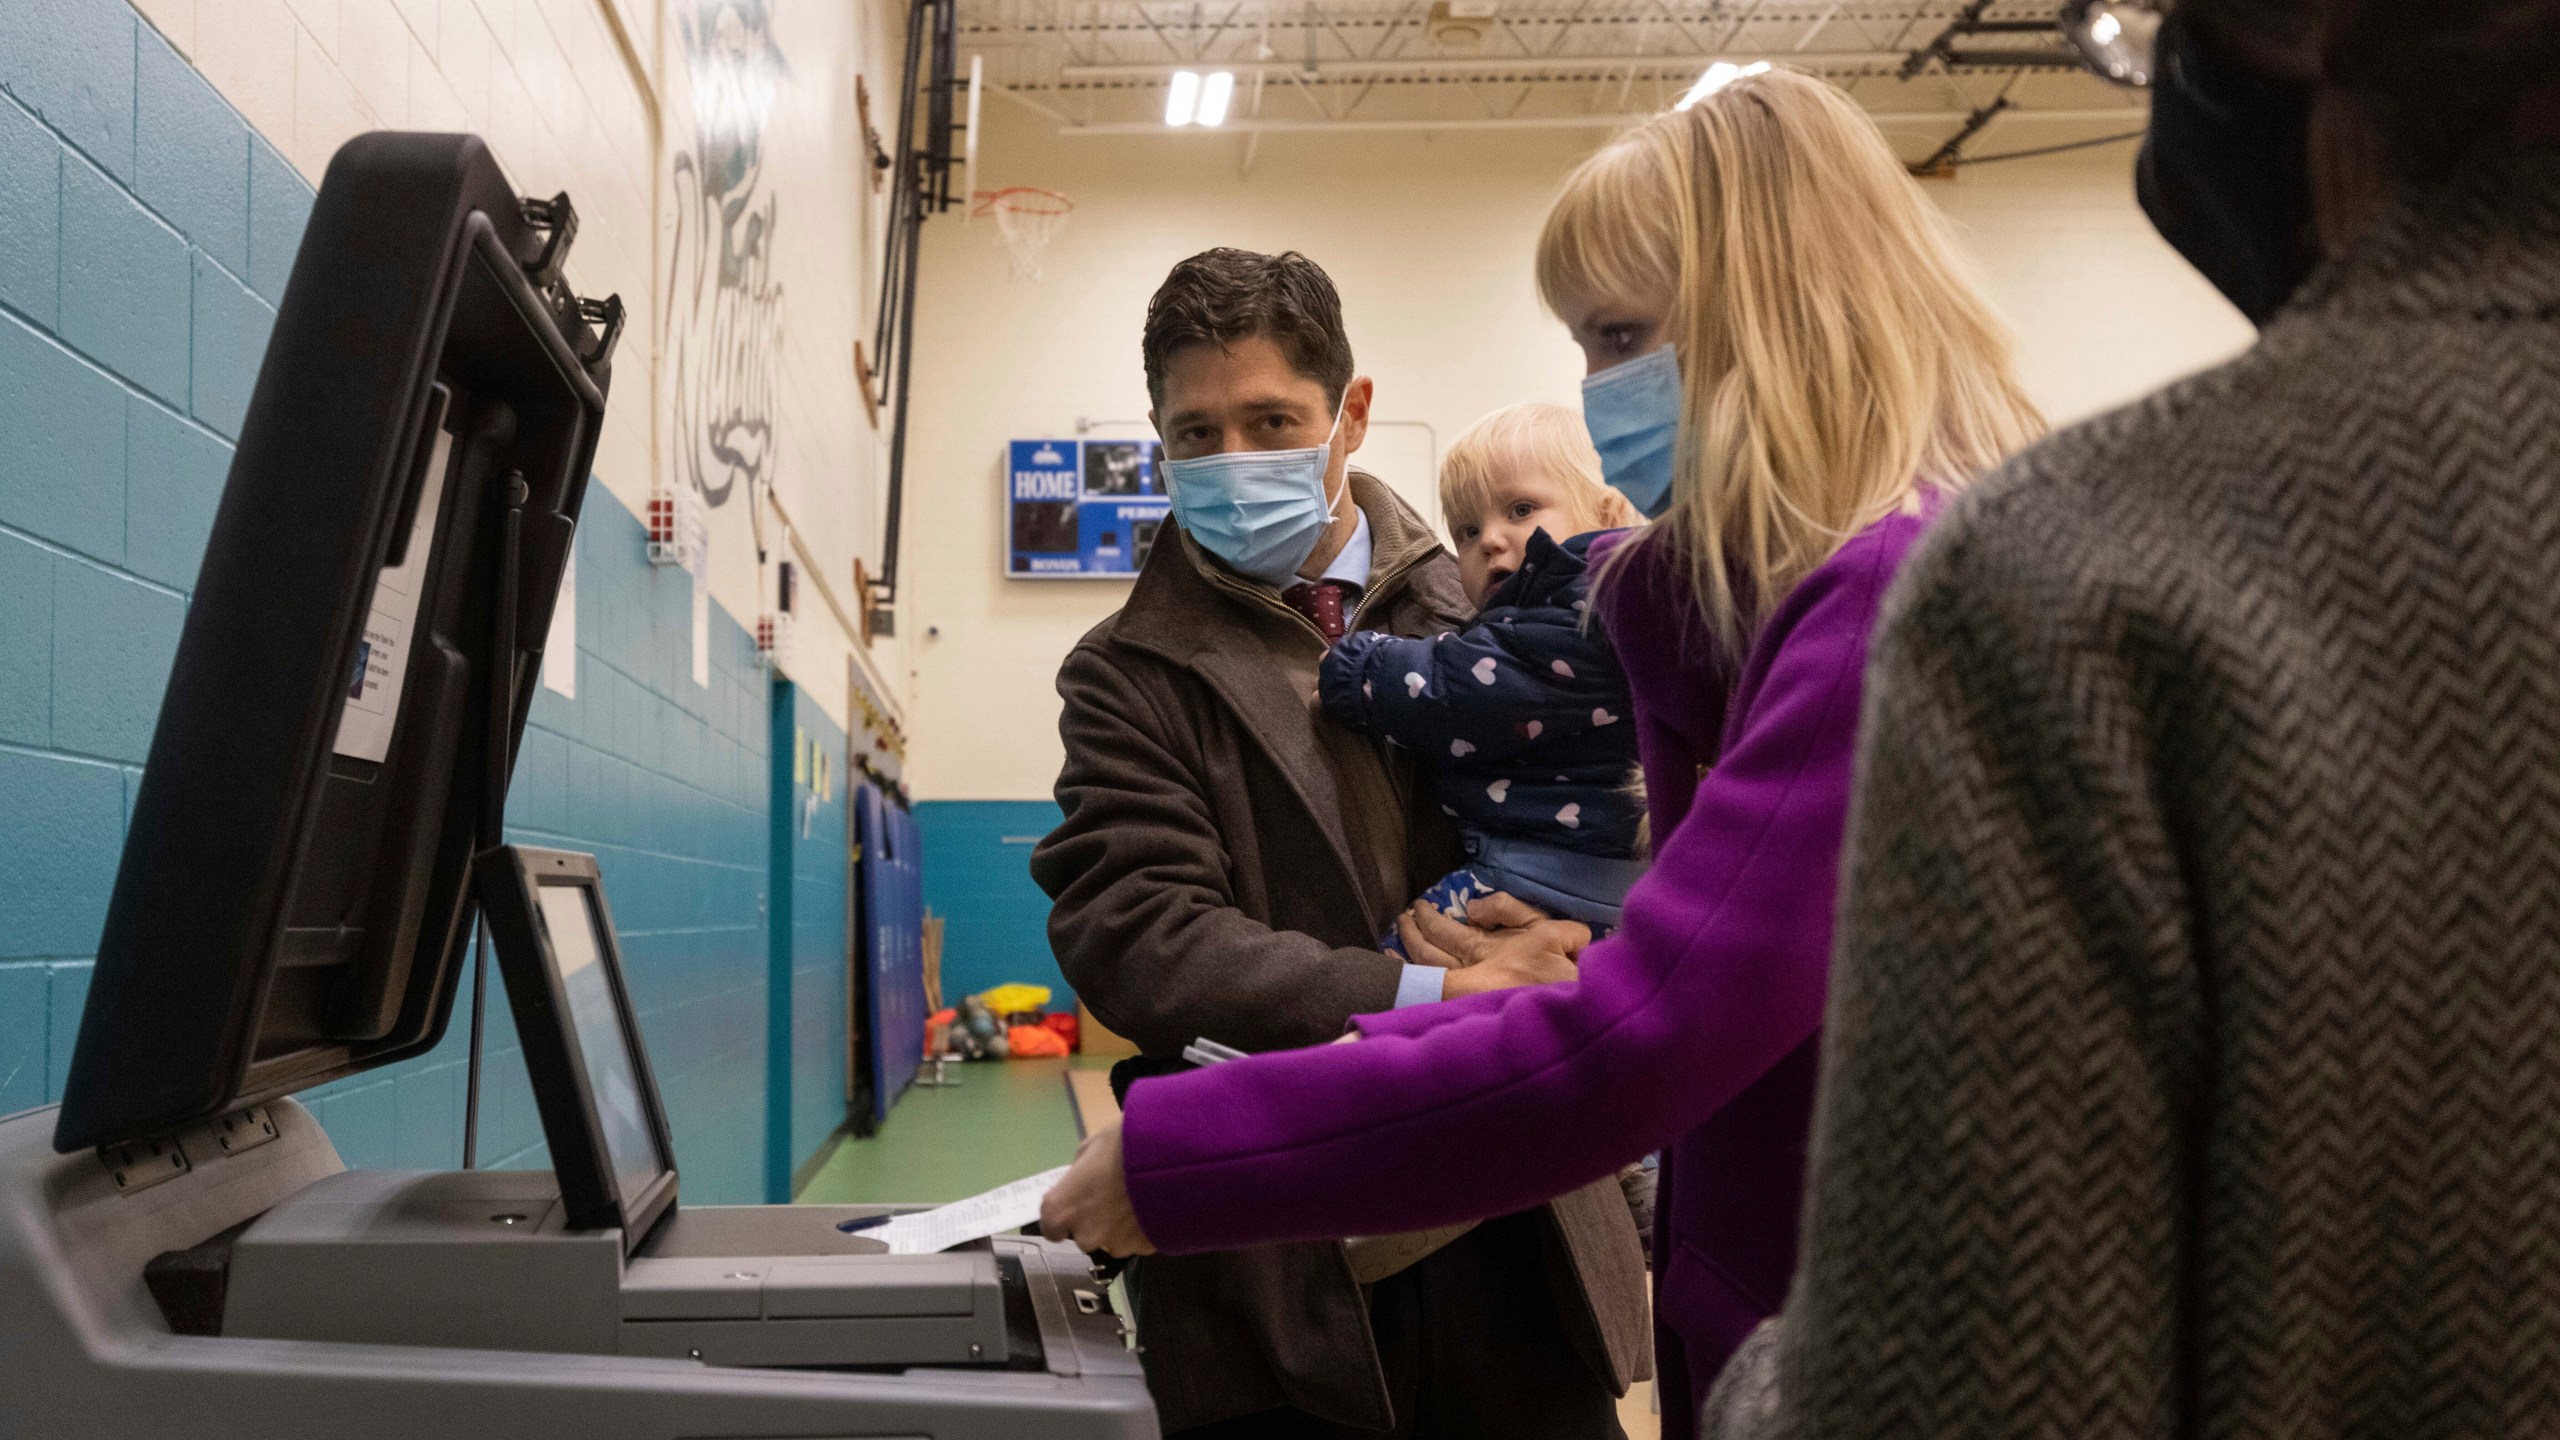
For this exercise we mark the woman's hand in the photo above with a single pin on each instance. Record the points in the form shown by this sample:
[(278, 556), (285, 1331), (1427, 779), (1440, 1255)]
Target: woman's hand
[(1090, 1207), (1537, 953)]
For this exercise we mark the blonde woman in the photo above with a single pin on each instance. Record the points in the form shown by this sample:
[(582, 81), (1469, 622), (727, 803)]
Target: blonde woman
[(1789, 373)]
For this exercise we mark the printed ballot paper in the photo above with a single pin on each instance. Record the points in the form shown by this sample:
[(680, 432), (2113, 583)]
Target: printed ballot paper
[(1006, 1207), (926, 1232)]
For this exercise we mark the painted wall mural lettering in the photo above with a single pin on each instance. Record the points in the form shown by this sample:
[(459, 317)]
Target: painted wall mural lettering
[(723, 314)]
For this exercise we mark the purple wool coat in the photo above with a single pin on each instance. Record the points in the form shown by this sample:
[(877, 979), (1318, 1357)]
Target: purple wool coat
[(1695, 1027)]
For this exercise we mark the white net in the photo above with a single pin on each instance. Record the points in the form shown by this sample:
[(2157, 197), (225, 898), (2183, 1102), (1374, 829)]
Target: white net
[(1026, 218)]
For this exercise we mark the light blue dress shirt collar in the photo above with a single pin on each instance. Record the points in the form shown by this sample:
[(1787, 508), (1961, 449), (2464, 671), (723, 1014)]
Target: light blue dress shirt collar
[(1351, 567)]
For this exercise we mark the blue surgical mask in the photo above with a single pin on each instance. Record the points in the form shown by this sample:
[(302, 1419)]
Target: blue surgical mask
[(1633, 412), (1261, 511)]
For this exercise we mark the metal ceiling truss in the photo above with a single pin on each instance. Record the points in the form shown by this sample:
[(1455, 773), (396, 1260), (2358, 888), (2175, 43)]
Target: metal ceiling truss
[(1941, 74)]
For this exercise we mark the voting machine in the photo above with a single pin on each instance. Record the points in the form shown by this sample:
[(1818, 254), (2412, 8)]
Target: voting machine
[(181, 1249)]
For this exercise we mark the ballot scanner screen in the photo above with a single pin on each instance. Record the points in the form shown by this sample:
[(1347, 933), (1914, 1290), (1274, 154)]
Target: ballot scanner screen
[(605, 1047)]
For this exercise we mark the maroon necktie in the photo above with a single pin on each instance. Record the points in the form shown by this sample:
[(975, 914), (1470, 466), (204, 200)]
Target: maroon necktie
[(1321, 602)]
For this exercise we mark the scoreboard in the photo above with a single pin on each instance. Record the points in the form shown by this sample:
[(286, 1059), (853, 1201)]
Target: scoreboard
[(1081, 509)]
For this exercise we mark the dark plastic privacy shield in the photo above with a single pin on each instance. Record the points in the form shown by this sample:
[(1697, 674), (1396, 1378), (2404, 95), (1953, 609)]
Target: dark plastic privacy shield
[(295, 884)]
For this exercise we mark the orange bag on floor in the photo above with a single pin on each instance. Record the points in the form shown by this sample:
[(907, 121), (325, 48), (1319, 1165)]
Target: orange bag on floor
[(1027, 1041)]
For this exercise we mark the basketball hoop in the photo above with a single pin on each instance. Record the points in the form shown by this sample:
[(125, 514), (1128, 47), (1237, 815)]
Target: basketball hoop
[(1026, 216)]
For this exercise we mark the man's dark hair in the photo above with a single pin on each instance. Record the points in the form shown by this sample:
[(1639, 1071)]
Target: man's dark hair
[(1221, 296)]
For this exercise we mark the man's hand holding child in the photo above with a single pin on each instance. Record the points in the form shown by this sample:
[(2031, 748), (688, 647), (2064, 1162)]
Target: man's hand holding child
[(1501, 944)]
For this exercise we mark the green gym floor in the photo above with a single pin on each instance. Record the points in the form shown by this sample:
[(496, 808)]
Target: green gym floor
[(1005, 1120)]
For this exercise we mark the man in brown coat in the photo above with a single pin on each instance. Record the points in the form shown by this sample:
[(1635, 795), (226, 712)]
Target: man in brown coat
[(1228, 860)]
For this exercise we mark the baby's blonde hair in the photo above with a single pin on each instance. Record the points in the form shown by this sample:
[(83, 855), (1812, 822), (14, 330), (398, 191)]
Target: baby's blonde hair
[(1835, 360), (1538, 439)]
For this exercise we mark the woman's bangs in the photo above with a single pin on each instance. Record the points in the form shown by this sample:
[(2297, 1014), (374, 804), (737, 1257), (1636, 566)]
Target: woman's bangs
[(1608, 238)]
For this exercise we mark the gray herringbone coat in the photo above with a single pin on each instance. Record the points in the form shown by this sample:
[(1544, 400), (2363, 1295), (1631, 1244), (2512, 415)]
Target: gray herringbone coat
[(2194, 1043)]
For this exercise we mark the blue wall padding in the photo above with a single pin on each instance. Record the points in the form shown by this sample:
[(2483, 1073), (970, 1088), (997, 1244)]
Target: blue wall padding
[(977, 876), (821, 997), (891, 901)]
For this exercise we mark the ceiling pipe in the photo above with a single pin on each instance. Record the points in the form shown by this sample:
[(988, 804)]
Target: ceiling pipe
[(1482, 65), (2116, 115)]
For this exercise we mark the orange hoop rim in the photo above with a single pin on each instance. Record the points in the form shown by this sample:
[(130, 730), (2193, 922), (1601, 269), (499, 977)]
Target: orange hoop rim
[(1023, 200)]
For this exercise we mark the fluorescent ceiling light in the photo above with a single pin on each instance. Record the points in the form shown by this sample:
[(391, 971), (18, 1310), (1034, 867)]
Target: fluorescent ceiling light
[(1214, 95), (2118, 39), (1718, 76), (1182, 97)]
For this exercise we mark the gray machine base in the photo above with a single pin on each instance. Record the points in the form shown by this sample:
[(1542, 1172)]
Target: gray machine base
[(412, 1258), (85, 1352)]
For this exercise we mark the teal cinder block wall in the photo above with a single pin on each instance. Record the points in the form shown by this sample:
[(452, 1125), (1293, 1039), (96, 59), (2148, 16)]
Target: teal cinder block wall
[(977, 876), (146, 233), (144, 237)]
